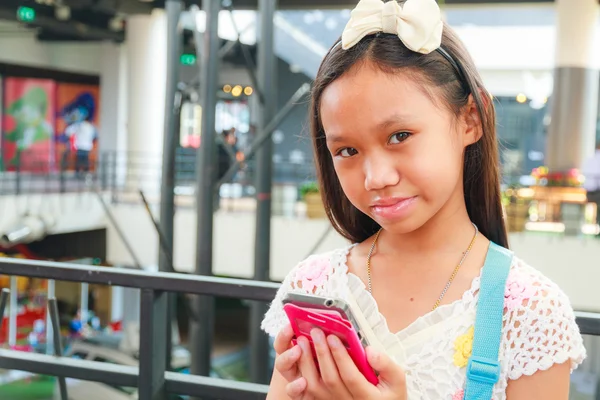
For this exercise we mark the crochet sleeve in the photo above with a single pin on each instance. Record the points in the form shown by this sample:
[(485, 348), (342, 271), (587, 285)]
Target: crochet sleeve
[(541, 330), (311, 276)]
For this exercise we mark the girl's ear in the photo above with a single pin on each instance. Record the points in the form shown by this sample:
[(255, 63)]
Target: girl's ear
[(472, 120)]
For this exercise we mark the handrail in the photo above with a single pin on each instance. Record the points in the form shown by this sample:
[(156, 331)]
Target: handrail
[(157, 281), (151, 377)]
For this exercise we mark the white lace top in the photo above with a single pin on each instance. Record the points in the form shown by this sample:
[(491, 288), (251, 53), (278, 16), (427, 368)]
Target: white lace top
[(539, 326)]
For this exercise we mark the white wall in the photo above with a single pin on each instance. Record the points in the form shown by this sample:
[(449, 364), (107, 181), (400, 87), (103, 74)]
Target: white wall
[(19, 46), (233, 238), (515, 59), (72, 212), (570, 262)]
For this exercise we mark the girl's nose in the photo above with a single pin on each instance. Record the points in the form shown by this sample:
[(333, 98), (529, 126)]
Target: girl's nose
[(380, 172)]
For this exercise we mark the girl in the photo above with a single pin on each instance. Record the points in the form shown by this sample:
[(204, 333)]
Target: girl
[(407, 159)]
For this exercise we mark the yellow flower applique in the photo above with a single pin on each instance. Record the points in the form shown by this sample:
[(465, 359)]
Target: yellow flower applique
[(463, 346)]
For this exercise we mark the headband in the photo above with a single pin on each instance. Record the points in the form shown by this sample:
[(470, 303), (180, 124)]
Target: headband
[(417, 23)]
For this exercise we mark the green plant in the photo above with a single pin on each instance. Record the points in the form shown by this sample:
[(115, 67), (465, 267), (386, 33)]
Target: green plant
[(309, 187)]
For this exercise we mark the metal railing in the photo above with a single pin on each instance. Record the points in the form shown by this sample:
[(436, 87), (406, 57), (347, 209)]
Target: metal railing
[(151, 378), (122, 172)]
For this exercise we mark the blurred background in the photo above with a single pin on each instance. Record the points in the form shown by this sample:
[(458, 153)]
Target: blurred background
[(114, 112)]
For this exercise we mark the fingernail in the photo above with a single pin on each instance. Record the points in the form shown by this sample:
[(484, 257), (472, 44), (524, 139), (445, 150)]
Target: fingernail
[(297, 384), (374, 355), (334, 341), (317, 336), (303, 342), (294, 352)]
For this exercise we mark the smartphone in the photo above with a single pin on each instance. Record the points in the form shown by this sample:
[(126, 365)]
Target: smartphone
[(327, 305), (331, 316)]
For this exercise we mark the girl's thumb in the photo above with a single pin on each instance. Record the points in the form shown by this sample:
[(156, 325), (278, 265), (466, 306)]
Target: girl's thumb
[(389, 371)]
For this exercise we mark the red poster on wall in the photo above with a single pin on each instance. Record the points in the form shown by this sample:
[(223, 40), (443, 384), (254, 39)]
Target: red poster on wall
[(77, 125), (28, 124)]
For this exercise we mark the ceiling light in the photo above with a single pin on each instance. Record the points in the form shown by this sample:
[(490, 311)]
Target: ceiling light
[(521, 98), (236, 91)]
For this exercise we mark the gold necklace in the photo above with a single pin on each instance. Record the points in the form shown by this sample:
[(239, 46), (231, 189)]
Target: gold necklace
[(454, 273)]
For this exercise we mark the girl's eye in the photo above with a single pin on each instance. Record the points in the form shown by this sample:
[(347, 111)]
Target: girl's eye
[(347, 152), (399, 137)]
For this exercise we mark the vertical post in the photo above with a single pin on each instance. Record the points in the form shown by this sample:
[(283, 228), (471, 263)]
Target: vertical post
[(267, 78), (12, 312), (3, 301), (56, 341), (18, 175), (170, 141), (51, 293), (202, 329), (572, 132), (83, 308), (61, 176), (153, 351), (104, 171)]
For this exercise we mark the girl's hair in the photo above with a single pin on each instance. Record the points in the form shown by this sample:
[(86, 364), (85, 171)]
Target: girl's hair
[(481, 160)]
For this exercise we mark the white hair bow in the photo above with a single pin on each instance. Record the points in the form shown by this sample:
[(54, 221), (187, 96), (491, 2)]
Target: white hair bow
[(418, 23)]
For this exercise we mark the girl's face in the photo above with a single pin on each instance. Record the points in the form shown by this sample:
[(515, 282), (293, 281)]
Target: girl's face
[(397, 154)]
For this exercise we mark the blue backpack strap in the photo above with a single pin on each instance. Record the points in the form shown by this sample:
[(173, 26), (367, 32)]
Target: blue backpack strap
[(483, 370)]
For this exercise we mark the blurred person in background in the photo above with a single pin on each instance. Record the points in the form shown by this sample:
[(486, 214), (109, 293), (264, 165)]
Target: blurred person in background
[(227, 154)]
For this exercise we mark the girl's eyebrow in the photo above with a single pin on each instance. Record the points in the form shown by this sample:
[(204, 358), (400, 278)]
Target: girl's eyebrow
[(334, 138), (393, 119), (383, 125)]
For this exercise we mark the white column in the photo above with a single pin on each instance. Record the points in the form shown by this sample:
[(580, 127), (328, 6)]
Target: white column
[(146, 74), (571, 135), (113, 118), (114, 100), (576, 29)]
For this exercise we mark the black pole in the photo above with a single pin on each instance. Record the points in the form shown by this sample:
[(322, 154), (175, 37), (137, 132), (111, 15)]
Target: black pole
[(3, 300), (170, 137), (202, 328), (53, 309), (267, 78), (162, 238), (170, 141)]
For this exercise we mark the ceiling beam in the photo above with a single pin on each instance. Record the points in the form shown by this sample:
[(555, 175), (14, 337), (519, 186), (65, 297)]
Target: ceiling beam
[(83, 24), (69, 28), (329, 4)]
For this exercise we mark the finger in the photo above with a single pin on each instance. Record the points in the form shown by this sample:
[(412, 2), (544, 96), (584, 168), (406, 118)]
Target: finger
[(329, 371), (308, 369), (389, 371), (286, 363), (353, 379), (283, 339), (296, 389)]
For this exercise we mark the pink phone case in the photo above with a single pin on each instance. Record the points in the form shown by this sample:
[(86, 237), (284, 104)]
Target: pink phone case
[(304, 319)]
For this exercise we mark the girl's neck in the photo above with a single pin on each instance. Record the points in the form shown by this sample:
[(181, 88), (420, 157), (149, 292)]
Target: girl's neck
[(446, 231)]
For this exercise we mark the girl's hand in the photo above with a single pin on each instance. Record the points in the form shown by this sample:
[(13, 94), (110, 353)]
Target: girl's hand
[(286, 364), (340, 378)]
